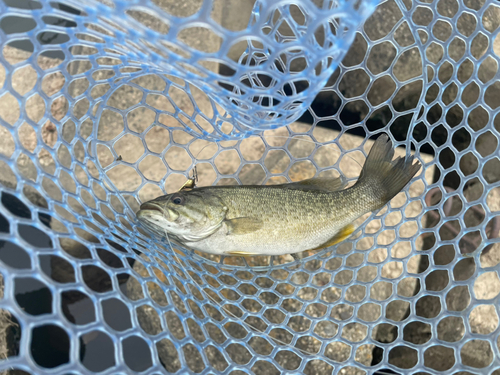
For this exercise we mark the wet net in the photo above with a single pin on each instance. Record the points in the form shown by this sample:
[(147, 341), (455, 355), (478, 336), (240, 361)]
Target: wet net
[(105, 105)]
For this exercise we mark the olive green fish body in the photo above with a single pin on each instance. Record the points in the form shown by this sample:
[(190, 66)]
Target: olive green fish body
[(279, 219), (278, 223)]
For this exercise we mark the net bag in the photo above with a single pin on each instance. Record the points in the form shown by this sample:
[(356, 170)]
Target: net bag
[(107, 104)]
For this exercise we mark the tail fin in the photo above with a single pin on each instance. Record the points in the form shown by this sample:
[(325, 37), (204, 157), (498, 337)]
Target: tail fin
[(384, 177)]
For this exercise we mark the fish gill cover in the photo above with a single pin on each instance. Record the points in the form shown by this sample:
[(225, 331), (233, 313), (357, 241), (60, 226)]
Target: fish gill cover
[(105, 105)]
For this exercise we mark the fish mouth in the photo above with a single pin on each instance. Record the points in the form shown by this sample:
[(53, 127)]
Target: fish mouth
[(168, 214), (150, 207)]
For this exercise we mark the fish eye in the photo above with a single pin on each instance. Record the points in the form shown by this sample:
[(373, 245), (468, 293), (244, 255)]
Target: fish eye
[(178, 200)]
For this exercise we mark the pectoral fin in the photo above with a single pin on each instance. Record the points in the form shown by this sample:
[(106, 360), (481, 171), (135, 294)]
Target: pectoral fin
[(339, 237), (330, 184), (243, 225)]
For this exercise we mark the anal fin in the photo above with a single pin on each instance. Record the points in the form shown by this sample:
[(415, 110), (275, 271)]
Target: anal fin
[(339, 237)]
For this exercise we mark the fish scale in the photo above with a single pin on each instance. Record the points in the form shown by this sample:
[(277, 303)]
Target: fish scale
[(283, 215)]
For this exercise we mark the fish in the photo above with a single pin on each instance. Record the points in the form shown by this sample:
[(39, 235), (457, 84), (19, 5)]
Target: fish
[(249, 220)]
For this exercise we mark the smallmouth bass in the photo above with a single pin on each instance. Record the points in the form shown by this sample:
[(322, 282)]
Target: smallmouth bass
[(278, 219)]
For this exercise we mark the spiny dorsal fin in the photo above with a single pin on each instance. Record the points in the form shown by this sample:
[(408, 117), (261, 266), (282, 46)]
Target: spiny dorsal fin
[(329, 184), (243, 225)]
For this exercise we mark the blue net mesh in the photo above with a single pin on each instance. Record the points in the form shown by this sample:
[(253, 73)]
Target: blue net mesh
[(105, 105)]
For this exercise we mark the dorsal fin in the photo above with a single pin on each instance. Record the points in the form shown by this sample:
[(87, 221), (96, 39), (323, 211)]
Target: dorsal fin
[(329, 184)]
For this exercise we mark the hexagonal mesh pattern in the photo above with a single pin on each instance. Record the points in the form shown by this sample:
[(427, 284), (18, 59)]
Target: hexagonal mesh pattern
[(108, 105)]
